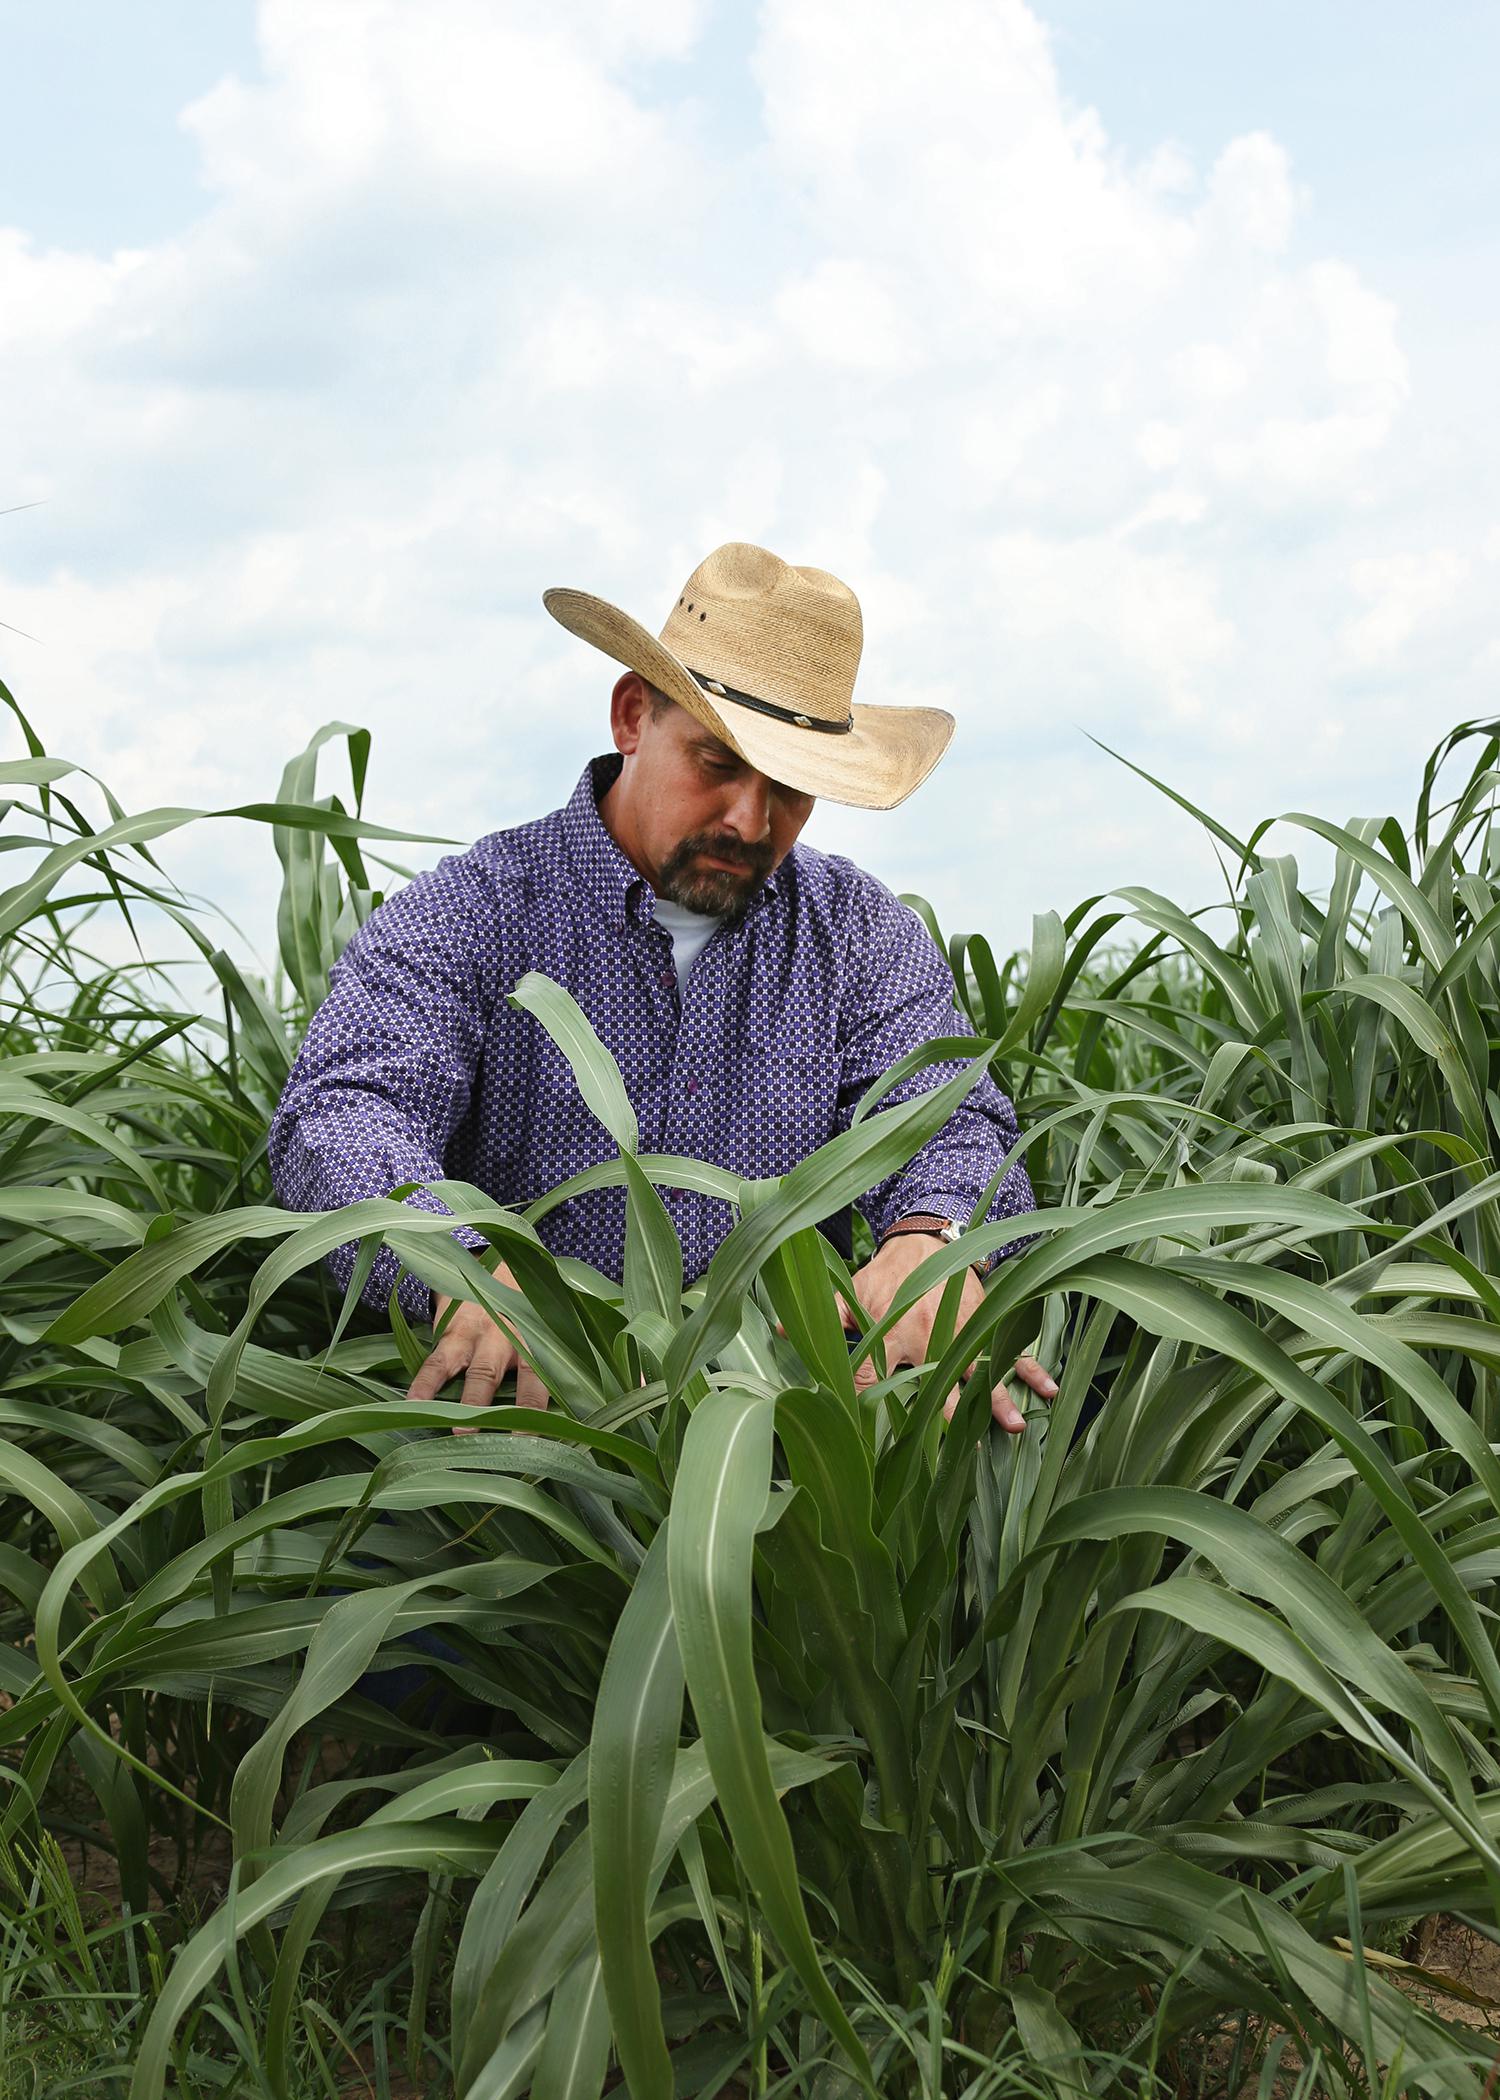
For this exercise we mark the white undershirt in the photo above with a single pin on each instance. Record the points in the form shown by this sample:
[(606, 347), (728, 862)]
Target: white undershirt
[(691, 932)]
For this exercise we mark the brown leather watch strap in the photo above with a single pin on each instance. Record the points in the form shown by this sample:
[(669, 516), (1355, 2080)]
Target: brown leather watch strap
[(919, 1222), (925, 1222)]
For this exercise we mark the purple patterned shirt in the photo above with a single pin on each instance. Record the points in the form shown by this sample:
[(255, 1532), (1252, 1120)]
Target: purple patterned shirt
[(416, 1067)]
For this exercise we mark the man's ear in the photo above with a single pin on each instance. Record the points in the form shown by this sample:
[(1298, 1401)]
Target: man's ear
[(629, 706)]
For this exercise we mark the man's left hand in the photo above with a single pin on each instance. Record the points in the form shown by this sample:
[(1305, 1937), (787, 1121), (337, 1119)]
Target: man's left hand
[(908, 1342)]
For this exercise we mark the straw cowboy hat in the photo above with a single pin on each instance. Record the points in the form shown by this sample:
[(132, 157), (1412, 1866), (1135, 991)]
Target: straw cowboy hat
[(765, 654)]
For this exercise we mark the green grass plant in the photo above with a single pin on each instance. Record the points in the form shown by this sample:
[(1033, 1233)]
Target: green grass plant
[(785, 1741)]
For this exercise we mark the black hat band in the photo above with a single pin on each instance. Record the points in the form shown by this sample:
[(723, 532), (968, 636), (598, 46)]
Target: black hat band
[(712, 687)]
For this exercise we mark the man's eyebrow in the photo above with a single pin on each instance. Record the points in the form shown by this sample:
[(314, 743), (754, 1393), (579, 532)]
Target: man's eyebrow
[(707, 741)]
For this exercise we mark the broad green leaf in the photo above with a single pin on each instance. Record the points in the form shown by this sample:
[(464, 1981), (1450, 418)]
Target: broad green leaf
[(721, 1492), (632, 1754)]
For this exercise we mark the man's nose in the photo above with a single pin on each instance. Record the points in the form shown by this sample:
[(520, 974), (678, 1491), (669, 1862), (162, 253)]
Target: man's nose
[(749, 812)]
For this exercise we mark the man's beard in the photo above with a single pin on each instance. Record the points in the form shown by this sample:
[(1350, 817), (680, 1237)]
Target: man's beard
[(715, 892)]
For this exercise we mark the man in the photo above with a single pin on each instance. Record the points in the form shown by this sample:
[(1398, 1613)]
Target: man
[(750, 988)]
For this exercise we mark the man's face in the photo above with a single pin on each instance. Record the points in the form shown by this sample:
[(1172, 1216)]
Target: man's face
[(694, 805)]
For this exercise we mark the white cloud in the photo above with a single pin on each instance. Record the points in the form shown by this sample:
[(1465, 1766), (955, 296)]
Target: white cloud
[(1000, 437), (472, 104), (1142, 630), (1209, 372), (50, 297), (845, 314), (1401, 593), (1159, 445), (1250, 196), (953, 150)]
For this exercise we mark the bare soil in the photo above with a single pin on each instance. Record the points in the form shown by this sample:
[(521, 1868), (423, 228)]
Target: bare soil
[(1472, 1964)]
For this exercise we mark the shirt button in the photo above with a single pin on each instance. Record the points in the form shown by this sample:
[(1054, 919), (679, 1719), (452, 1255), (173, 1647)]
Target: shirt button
[(668, 979), (692, 1086)]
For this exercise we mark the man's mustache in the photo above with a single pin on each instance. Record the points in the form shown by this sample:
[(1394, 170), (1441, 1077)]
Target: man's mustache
[(722, 850)]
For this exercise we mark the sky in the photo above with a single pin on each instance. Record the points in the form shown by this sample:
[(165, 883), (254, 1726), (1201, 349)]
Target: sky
[(1132, 364)]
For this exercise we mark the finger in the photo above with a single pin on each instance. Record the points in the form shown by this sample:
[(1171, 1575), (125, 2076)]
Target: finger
[(1006, 1412), (868, 1372), (480, 1381), (1035, 1375), (530, 1392), (905, 1343), (444, 1363)]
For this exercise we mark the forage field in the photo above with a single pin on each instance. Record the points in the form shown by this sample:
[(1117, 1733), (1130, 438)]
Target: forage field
[(730, 1730)]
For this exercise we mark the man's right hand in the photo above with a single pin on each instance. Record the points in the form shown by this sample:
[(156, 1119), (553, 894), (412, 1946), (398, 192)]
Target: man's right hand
[(483, 1350)]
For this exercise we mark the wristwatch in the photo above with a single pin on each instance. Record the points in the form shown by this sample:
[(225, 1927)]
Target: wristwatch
[(947, 1229)]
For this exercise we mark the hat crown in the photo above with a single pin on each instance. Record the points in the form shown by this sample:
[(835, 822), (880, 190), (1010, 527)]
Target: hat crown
[(759, 625)]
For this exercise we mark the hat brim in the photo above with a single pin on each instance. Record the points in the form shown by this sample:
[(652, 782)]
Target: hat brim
[(884, 758)]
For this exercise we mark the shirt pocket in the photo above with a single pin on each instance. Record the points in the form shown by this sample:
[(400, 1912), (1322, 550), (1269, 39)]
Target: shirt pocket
[(782, 1094), (559, 1134)]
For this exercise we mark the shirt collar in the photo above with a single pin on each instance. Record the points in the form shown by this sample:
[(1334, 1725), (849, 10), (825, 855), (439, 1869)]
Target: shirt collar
[(610, 873)]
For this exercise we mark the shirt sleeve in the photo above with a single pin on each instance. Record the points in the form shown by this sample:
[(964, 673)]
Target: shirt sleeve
[(901, 995), (384, 1074)]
